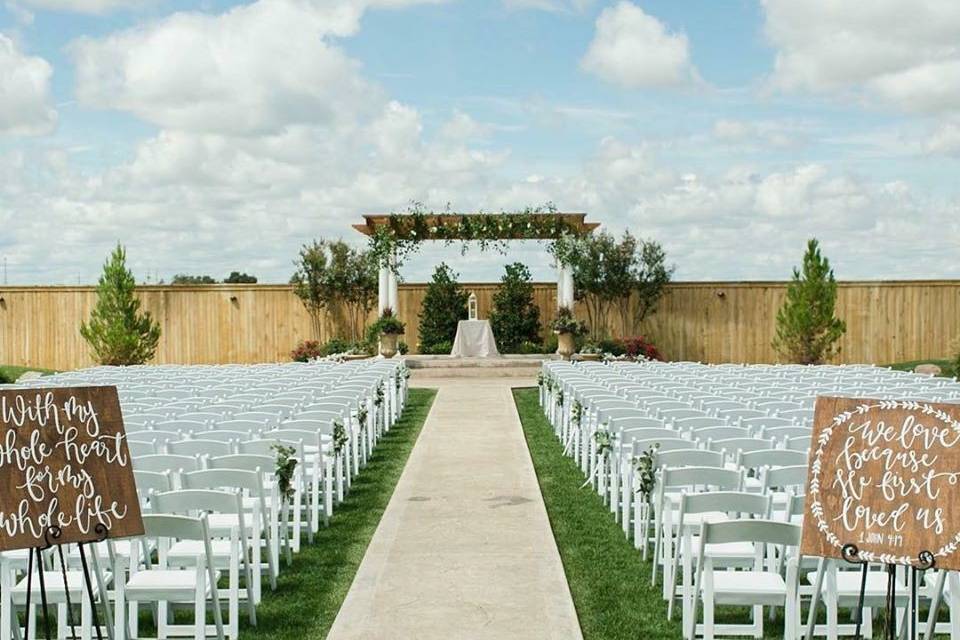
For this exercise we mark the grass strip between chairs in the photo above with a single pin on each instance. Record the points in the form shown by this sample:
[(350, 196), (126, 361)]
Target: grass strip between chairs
[(608, 578), (310, 591)]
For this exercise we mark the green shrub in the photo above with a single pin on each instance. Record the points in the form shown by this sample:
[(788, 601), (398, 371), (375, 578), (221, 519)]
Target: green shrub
[(4, 378), (515, 318), (613, 346), (444, 305), (551, 344), (807, 330), (528, 347), (403, 348), (118, 333), (442, 348)]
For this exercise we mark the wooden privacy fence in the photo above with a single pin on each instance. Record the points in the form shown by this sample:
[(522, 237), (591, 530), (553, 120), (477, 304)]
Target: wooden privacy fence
[(706, 321)]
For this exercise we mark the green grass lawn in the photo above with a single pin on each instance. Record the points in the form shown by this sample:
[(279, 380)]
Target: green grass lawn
[(945, 365), (10, 373), (608, 578), (309, 593)]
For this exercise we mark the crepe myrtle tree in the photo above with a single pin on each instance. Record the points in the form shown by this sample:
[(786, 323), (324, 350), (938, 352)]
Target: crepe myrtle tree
[(118, 333), (807, 327), (334, 278), (628, 276)]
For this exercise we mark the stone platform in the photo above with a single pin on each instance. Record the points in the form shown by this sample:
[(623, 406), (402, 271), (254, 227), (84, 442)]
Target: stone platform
[(506, 366)]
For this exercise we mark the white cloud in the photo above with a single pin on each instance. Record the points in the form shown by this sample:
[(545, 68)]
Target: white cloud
[(83, 6), (256, 69), (763, 133), (24, 92), (634, 50), (905, 52), (945, 140), (553, 6)]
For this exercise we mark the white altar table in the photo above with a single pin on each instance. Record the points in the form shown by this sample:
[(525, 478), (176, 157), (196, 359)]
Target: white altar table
[(474, 340)]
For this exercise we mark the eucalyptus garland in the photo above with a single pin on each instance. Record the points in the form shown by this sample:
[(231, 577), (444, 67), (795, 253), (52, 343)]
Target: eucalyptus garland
[(391, 244), (285, 466), (604, 440), (576, 413), (362, 415), (378, 399), (340, 437), (646, 473)]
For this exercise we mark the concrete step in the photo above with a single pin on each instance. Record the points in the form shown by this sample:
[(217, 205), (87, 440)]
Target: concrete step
[(509, 366)]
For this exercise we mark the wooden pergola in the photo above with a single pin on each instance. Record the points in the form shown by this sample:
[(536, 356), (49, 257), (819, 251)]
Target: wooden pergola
[(575, 222), (545, 226)]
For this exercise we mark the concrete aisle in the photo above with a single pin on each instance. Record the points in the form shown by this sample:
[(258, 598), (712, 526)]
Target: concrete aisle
[(464, 549)]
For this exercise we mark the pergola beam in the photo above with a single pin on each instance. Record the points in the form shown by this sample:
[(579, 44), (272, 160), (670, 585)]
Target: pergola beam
[(574, 221)]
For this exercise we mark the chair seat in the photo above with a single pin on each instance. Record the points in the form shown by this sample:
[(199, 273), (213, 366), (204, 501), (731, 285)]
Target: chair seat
[(220, 524), (54, 587), (164, 584), (875, 594), (748, 587), (185, 552), (694, 520)]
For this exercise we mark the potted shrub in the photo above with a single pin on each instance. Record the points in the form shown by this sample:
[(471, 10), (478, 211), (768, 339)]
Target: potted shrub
[(567, 328), (390, 329)]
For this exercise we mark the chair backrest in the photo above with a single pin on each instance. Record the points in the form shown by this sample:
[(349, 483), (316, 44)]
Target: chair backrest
[(250, 481), (771, 458), (174, 526), (733, 445), (141, 447), (629, 435), (688, 458), (713, 477), (783, 477), (200, 447), (165, 462), (801, 443), (700, 422), (741, 503), (762, 531), (781, 433), (152, 481), (245, 461), (187, 501), (720, 433)]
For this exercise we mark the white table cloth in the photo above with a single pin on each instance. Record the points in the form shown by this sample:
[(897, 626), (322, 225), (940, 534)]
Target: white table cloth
[(474, 340)]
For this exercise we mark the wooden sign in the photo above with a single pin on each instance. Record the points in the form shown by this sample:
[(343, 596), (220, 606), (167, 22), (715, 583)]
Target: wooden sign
[(885, 476), (64, 463)]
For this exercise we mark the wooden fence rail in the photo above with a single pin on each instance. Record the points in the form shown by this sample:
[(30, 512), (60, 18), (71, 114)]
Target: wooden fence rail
[(707, 321)]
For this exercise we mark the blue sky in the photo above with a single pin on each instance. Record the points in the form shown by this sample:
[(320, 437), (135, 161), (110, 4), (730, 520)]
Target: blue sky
[(216, 136)]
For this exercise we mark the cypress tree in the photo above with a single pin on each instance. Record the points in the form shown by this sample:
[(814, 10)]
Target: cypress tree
[(807, 329), (118, 334), (444, 305)]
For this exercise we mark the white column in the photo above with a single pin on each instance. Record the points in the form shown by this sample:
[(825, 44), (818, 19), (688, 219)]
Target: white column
[(383, 289), (560, 283), (568, 286), (393, 293)]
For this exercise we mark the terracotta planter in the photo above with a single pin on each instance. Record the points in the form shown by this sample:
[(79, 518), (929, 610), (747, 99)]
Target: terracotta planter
[(388, 344), (590, 357), (565, 345)]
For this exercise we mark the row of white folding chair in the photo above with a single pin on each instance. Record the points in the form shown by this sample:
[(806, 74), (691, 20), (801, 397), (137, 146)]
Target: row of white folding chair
[(190, 578)]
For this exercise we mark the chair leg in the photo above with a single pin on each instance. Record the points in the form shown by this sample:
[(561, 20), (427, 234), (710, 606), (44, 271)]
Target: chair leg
[(200, 608)]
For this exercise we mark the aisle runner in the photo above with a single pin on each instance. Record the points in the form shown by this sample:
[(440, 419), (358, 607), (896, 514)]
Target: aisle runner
[(464, 549)]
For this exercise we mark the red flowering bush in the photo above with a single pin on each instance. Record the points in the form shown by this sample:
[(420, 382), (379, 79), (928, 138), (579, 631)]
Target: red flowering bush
[(306, 351), (641, 347)]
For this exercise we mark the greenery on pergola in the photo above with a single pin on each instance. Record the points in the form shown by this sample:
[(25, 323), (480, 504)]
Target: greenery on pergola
[(395, 236)]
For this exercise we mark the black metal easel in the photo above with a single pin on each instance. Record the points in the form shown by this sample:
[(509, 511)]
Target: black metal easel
[(50, 538), (925, 562)]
